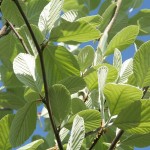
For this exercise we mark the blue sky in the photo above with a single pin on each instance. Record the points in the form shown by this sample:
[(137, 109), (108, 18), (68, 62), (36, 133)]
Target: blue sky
[(126, 54)]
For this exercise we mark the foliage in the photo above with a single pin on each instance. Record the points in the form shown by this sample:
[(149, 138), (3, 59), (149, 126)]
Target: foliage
[(47, 62)]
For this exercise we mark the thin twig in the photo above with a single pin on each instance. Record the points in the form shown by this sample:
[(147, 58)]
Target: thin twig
[(19, 37), (100, 133), (116, 139), (43, 74), (109, 26)]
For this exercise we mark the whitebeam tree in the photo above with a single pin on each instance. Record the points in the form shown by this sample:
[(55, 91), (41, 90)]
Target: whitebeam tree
[(87, 103)]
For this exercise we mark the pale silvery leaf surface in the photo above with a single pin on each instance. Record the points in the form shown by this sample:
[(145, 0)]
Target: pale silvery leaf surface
[(50, 15), (77, 134), (24, 68)]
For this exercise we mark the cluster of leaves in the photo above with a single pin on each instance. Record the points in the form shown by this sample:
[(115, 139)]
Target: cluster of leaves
[(87, 94)]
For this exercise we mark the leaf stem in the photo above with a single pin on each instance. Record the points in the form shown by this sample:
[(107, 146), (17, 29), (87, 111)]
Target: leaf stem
[(19, 37), (43, 75), (109, 26)]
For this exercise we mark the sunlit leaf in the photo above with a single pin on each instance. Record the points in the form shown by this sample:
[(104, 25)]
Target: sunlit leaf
[(85, 57), (32, 145), (50, 15), (92, 119), (5, 124), (23, 124), (107, 16), (138, 140), (79, 31), (77, 134), (126, 71), (141, 65), (120, 96), (135, 118), (24, 68), (71, 15), (117, 60), (91, 77), (94, 20), (123, 39)]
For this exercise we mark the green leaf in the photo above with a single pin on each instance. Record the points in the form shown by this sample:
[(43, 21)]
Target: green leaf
[(77, 134), (76, 5), (92, 119), (73, 84), (34, 10), (24, 68), (120, 96), (79, 31), (77, 105), (94, 20), (104, 6), (91, 77), (25, 34), (144, 26), (135, 118), (93, 4), (11, 100), (71, 15), (137, 140), (120, 23), (44, 145), (5, 124), (142, 13), (107, 16), (60, 60), (86, 57), (117, 60), (123, 39), (60, 102), (92, 102), (141, 65), (23, 124), (32, 145), (50, 15), (126, 71), (7, 57), (30, 95), (10, 5), (5, 111)]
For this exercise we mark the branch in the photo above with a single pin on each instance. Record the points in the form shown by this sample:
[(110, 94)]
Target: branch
[(19, 37), (100, 133), (116, 139), (43, 75), (108, 28)]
